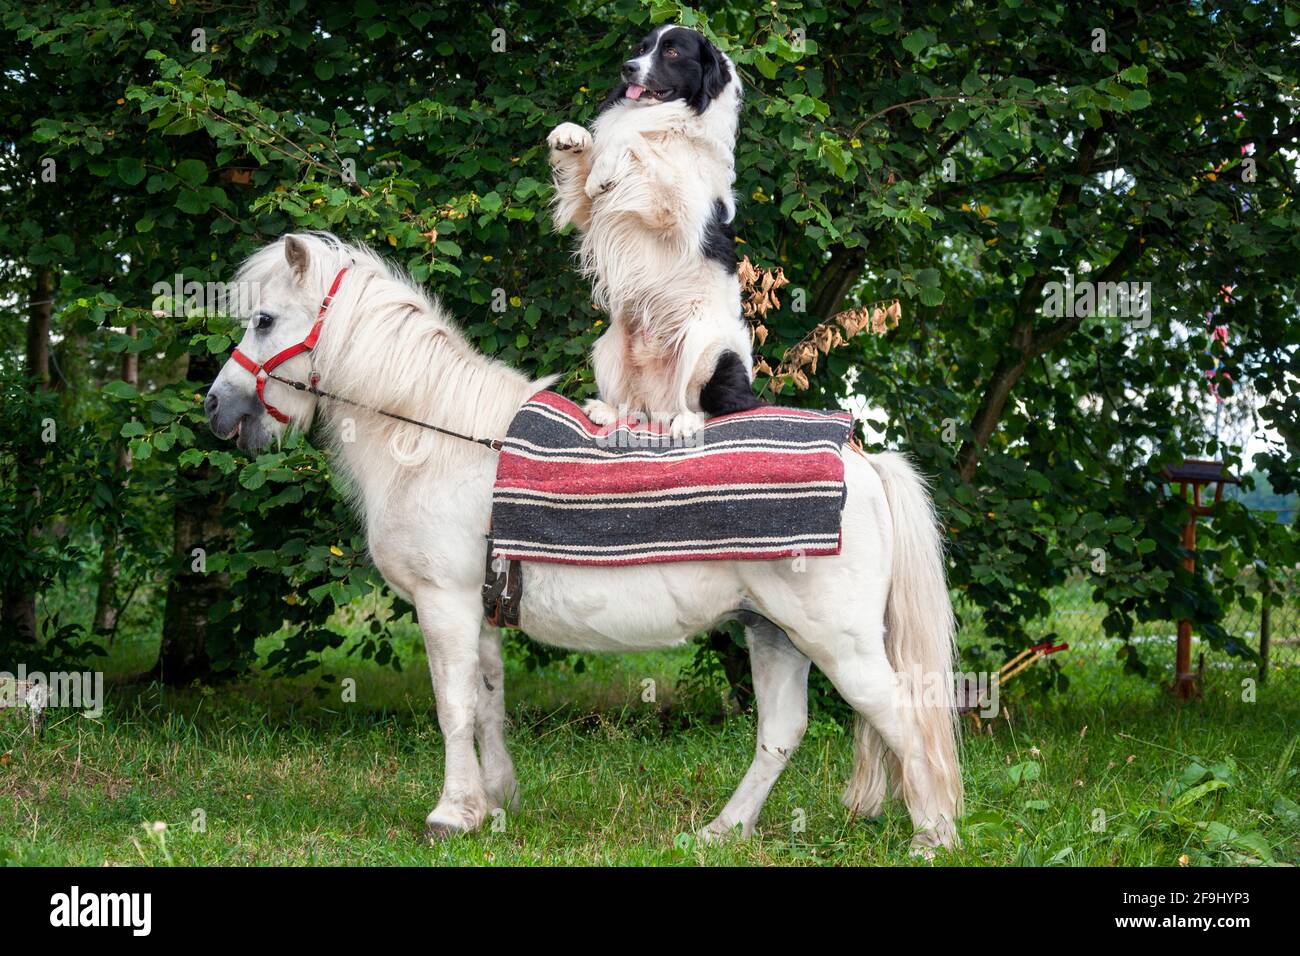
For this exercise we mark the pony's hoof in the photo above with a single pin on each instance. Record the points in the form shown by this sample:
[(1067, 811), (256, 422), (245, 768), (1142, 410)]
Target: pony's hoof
[(505, 798), (922, 851), (928, 842), (436, 831), (717, 833)]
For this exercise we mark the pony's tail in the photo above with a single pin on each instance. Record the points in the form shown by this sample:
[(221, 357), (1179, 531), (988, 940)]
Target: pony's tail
[(920, 641)]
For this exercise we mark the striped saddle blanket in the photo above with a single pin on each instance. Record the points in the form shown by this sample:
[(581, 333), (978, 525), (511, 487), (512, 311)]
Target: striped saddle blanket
[(757, 485)]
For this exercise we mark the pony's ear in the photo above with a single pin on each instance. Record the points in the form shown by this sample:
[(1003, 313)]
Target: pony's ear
[(716, 76), (295, 253)]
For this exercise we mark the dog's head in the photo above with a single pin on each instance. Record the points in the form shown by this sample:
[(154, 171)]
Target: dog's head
[(674, 63)]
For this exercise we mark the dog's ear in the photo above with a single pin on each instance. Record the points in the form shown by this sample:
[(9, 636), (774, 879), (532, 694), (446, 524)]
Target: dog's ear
[(715, 75), (616, 94)]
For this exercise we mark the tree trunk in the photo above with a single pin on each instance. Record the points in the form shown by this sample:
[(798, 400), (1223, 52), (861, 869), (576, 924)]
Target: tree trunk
[(185, 652), (1027, 342), (40, 310), (18, 614), (106, 609), (835, 280)]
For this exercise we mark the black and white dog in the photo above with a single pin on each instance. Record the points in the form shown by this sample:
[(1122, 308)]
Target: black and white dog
[(649, 188)]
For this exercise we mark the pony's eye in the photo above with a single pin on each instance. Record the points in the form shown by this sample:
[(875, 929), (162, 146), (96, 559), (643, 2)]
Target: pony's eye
[(263, 321)]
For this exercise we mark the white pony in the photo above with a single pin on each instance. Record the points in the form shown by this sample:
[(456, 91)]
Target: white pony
[(876, 619)]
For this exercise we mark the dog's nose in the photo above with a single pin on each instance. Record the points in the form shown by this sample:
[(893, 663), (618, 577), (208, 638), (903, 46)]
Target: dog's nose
[(210, 404), (629, 71)]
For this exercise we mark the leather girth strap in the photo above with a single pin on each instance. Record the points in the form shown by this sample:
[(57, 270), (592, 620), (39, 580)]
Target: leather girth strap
[(502, 590)]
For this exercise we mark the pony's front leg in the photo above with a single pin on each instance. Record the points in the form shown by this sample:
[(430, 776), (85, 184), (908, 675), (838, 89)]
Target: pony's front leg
[(451, 622), (781, 696), (490, 722)]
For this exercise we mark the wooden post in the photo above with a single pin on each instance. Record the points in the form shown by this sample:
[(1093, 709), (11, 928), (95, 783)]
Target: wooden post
[(1185, 685), (1195, 474), (1265, 634)]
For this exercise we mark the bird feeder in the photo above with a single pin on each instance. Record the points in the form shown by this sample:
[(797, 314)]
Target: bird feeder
[(1190, 477)]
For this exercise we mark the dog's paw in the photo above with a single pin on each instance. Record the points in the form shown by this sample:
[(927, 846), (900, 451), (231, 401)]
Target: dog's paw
[(599, 185), (686, 424), (605, 172), (569, 138), (600, 413)]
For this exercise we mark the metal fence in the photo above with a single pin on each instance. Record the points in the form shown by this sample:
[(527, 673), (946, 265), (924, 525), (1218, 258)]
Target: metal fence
[(1271, 629)]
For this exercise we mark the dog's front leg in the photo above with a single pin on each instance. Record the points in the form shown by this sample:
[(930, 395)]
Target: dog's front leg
[(609, 362), (664, 207), (451, 623), (571, 147), (610, 165)]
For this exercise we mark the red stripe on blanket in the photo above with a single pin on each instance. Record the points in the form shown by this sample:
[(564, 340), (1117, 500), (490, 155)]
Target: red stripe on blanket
[(622, 477)]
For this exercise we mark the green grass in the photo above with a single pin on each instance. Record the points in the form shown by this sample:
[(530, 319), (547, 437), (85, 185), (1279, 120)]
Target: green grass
[(284, 776)]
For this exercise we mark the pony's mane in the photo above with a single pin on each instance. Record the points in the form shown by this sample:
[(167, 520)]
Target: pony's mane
[(389, 345)]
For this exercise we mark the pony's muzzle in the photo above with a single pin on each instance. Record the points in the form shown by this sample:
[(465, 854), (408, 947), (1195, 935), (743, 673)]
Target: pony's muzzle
[(232, 413)]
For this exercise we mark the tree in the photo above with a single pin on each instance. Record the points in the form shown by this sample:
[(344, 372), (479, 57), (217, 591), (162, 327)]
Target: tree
[(969, 161)]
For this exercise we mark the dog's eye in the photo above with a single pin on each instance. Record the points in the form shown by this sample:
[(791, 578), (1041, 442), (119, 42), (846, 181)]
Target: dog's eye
[(670, 52), (262, 321)]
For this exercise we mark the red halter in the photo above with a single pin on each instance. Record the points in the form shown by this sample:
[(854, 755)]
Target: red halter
[(262, 371)]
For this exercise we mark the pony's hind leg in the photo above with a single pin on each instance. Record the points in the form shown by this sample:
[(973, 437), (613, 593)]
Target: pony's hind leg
[(451, 623), (781, 695), (892, 707), (490, 722)]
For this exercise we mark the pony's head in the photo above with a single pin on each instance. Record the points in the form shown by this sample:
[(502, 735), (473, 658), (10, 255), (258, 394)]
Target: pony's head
[(286, 283)]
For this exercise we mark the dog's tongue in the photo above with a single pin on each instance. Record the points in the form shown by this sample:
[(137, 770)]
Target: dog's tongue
[(634, 92)]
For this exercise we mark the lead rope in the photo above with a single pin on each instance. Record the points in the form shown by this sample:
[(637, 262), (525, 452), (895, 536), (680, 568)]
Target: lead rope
[(493, 443)]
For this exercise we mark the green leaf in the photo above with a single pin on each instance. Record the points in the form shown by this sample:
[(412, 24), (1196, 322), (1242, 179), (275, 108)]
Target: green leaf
[(191, 171), (1197, 793), (1138, 100), (930, 297), (193, 202), (120, 389), (917, 41), (130, 170), (252, 477), (1025, 772)]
